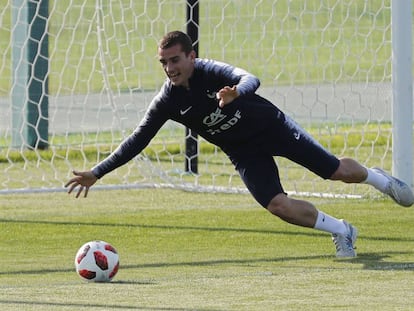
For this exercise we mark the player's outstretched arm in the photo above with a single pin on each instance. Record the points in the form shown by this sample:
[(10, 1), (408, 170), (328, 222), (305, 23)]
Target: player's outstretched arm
[(84, 180)]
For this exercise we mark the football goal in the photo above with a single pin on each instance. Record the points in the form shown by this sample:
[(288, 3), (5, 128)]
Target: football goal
[(76, 77)]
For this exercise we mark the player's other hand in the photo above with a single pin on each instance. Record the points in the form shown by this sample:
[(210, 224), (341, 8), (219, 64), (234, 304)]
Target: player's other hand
[(82, 179), (226, 95)]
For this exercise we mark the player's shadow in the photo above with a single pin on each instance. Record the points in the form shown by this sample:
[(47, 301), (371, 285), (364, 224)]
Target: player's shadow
[(369, 261), (378, 261)]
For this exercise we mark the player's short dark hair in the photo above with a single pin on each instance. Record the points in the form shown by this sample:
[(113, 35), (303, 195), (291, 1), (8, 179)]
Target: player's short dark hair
[(177, 37)]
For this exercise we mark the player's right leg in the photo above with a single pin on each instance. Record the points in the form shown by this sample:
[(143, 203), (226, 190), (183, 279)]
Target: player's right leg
[(304, 214), (260, 174)]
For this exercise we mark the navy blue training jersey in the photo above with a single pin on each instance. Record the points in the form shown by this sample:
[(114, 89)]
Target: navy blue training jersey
[(234, 125)]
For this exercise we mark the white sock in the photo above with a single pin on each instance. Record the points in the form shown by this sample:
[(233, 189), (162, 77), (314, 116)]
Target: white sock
[(330, 224), (377, 180)]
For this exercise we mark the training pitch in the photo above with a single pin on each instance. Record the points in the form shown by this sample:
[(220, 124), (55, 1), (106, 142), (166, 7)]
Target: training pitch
[(193, 251)]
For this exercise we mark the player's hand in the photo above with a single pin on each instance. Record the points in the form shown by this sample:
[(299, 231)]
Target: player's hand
[(226, 95), (82, 179)]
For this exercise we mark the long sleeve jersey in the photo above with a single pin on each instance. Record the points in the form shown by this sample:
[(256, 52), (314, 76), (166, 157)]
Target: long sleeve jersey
[(230, 127)]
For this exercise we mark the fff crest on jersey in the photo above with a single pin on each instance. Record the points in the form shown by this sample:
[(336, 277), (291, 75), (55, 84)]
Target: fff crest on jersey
[(214, 118)]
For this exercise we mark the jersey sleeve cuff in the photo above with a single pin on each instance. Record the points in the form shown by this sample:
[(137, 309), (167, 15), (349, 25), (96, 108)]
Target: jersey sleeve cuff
[(97, 173)]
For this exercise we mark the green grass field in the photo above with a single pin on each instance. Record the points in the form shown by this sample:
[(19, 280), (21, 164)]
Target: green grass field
[(189, 251)]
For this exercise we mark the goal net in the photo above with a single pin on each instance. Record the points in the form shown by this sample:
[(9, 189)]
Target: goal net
[(327, 63)]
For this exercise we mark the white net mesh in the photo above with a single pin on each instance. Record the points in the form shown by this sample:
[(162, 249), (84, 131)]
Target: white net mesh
[(326, 63)]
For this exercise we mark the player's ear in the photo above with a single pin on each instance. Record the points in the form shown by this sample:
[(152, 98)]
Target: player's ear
[(192, 55)]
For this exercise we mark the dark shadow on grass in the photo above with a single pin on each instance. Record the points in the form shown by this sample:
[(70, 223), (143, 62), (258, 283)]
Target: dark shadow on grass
[(377, 261), (370, 261), (131, 282), (80, 306), (174, 264), (197, 228), (166, 227)]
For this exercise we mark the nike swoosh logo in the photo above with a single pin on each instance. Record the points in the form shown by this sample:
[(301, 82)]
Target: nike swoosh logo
[(296, 135), (183, 112)]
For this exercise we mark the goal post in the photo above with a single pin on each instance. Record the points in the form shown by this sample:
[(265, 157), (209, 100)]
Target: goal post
[(331, 65), (402, 85), (191, 138), (30, 60)]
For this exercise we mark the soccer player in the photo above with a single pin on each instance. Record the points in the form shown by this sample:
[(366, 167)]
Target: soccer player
[(218, 101)]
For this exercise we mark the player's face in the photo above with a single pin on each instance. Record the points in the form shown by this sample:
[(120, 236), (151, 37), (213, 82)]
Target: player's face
[(177, 65)]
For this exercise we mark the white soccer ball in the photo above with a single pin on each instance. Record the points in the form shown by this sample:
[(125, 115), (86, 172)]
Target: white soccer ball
[(97, 261)]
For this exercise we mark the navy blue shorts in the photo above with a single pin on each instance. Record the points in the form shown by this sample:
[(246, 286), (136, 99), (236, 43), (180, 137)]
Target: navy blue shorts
[(255, 163)]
